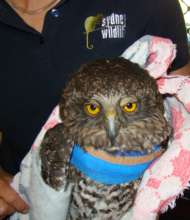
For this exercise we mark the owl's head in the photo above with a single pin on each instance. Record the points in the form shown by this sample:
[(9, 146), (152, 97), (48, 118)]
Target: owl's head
[(113, 105)]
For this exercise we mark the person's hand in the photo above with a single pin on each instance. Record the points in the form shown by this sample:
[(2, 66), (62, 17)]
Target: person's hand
[(10, 201)]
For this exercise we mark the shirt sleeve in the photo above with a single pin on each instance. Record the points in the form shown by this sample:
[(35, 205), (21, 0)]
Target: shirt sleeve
[(167, 21)]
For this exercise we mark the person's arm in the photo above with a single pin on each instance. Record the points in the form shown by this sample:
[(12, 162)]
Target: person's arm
[(185, 70), (10, 201)]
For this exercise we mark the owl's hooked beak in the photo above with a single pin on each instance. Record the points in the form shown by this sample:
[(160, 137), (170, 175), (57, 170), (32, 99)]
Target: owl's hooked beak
[(111, 127)]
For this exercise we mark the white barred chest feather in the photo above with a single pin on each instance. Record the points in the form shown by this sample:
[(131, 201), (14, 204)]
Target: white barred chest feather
[(92, 200)]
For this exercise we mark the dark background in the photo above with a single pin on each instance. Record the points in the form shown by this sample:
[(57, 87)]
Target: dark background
[(181, 211)]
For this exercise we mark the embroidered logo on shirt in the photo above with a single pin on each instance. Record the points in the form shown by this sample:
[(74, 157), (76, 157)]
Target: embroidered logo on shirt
[(90, 25), (112, 26)]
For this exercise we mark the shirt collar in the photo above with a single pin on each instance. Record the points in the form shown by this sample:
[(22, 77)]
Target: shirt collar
[(9, 17)]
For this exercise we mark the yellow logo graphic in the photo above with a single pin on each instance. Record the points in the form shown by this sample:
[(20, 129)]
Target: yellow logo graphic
[(90, 25)]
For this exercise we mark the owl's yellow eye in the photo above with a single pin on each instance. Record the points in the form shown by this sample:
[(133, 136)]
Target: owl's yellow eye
[(130, 107), (92, 109)]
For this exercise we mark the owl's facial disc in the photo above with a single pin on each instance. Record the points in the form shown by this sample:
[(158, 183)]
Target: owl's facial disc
[(118, 123), (106, 111)]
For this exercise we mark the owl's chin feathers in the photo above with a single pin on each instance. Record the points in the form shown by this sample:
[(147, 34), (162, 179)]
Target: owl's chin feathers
[(121, 149), (128, 139)]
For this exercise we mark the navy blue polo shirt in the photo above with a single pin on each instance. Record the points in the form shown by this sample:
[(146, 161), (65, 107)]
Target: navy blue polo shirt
[(34, 67)]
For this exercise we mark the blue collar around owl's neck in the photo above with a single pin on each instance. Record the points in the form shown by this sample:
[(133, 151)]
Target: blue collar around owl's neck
[(111, 170)]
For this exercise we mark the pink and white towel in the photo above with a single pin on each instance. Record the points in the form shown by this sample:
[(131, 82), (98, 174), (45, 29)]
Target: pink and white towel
[(165, 180)]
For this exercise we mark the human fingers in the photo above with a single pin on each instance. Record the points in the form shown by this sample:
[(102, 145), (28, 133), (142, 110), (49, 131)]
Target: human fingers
[(5, 209), (11, 197)]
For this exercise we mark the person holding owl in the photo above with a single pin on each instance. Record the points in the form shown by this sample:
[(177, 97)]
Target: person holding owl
[(42, 42)]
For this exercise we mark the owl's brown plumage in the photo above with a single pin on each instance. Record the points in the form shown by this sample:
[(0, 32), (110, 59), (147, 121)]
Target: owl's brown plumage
[(113, 105)]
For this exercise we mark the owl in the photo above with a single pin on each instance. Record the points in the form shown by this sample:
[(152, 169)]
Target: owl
[(111, 105)]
